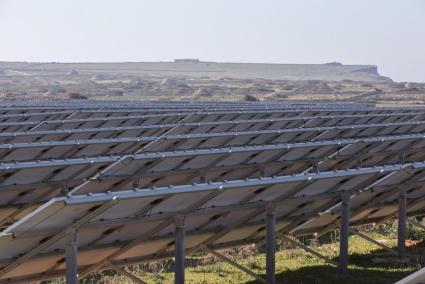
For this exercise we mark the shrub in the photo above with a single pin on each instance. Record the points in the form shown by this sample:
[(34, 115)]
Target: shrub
[(251, 98), (77, 96)]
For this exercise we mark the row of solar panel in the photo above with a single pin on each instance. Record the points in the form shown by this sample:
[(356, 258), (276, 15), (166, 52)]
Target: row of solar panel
[(135, 226), (72, 149), (35, 118), (124, 197), (24, 185), (155, 109), (42, 145), (143, 103), (156, 125)]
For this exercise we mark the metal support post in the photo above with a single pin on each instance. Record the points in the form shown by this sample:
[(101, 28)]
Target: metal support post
[(71, 257), (179, 250), (343, 238), (270, 244), (401, 229)]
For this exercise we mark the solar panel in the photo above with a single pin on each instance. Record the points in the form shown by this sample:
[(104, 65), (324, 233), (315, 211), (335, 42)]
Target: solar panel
[(375, 206), (173, 168), (145, 233), (79, 116), (123, 172), (189, 128), (120, 146)]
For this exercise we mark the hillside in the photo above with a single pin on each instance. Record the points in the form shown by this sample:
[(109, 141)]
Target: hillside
[(190, 79), (213, 70)]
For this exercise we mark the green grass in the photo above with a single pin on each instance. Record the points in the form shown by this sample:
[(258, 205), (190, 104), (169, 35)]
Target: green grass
[(292, 266)]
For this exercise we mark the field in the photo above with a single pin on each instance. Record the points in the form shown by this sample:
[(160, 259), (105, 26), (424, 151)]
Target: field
[(204, 81), (259, 82)]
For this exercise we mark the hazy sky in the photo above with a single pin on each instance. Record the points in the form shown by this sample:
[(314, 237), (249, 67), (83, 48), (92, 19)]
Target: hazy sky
[(390, 34)]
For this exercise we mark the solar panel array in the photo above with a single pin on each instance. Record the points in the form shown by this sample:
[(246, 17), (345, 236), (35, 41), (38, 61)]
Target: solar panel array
[(120, 172)]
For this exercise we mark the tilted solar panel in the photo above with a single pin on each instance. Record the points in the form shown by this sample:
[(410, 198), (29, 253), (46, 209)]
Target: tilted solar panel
[(122, 173), (137, 224)]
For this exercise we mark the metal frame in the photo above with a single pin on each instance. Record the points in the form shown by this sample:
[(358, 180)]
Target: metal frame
[(270, 244), (309, 250), (214, 193), (57, 237), (172, 122), (78, 146), (401, 228), (179, 250), (71, 257), (235, 264), (343, 234), (369, 239), (320, 120)]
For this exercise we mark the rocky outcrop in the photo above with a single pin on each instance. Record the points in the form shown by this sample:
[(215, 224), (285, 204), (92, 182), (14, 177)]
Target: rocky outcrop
[(334, 71)]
